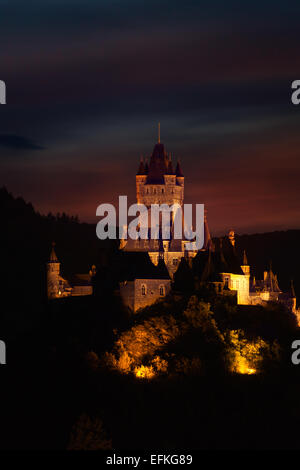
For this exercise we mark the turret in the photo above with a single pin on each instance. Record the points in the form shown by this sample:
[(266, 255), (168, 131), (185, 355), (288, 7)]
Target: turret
[(179, 174), (141, 178), (53, 274), (245, 266), (170, 176)]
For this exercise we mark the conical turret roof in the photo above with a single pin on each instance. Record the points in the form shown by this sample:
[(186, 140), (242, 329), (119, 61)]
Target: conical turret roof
[(245, 260), (53, 257), (141, 170), (170, 170), (179, 170)]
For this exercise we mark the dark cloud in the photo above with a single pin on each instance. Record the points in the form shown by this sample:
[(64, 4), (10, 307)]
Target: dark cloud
[(18, 142), (91, 79)]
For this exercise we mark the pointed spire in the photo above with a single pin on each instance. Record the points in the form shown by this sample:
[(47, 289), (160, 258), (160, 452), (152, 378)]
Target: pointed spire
[(245, 260), (53, 257), (141, 170), (170, 170), (178, 169), (293, 294), (208, 244)]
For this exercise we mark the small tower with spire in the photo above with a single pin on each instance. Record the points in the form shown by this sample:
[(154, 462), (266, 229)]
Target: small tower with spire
[(53, 275), (179, 174), (245, 266)]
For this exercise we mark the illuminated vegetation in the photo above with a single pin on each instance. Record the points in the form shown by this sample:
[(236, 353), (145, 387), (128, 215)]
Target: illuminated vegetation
[(246, 357), (135, 350)]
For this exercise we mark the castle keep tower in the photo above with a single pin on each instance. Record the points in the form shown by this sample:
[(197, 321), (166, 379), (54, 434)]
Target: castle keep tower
[(158, 183), (53, 275)]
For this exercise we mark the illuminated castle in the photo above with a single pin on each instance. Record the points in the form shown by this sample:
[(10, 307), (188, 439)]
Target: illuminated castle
[(217, 263), (149, 266)]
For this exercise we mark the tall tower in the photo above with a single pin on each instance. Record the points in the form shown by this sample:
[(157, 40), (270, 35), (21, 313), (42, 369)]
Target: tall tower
[(53, 275), (159, 183)]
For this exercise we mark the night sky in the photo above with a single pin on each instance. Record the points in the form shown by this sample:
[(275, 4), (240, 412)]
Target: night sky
[(88, 80)]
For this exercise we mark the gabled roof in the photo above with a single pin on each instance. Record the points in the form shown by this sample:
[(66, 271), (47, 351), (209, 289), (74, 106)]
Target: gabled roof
[(80, 280), (138, 265), (231, 257), (211, 272)]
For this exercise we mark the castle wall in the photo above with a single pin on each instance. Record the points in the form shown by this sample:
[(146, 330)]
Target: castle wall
[(239, 283), (169, 193), (82, 290), (127, 293), (141, 293), (152, 293)]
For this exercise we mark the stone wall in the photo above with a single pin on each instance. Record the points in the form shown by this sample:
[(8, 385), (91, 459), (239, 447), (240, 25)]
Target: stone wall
[(152, 291), (141, 293)]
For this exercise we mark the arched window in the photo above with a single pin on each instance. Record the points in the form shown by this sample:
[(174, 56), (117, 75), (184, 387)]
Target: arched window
[(143, 289), (162, 291)]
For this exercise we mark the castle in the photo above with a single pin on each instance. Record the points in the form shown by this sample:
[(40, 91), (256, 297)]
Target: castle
[(150, 265)]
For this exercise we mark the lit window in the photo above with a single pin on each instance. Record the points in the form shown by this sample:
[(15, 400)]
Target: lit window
[(162, 291)]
